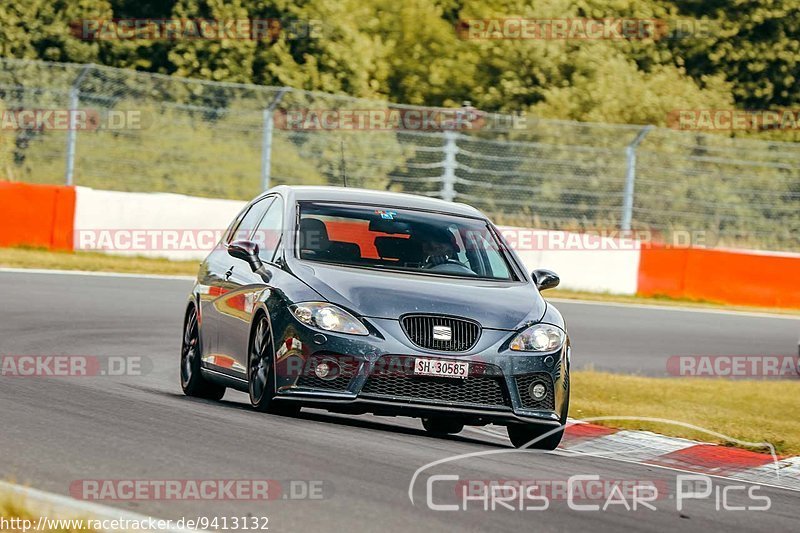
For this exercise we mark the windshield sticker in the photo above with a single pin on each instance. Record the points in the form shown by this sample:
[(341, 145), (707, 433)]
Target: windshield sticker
[(386, 215)]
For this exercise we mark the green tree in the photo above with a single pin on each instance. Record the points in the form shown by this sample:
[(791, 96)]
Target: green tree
[(45, 29), (755, 44)]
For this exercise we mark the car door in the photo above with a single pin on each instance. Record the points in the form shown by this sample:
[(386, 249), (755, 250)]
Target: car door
[(247, 288), (226, 314)]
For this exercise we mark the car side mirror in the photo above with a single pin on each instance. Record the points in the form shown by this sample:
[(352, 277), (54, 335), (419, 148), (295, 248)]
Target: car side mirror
[(246, 251), (545, 279)]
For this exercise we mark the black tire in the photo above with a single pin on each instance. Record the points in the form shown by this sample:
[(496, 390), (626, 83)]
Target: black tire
[(261, 372), (522, 434), (192, 381), (442, 426)]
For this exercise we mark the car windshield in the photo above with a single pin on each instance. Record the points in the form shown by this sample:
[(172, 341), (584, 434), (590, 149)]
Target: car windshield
[(400, 239)]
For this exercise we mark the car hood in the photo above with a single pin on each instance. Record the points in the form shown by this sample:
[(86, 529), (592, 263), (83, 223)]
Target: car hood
[(384, 294)]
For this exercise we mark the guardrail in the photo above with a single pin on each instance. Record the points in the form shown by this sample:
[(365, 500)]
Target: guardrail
[(134, 131), (184, 227)]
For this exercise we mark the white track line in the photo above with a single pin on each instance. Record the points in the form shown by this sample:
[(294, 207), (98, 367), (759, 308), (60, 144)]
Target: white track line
[(93, 273), (63, 507), (652, 307), (656, 307)]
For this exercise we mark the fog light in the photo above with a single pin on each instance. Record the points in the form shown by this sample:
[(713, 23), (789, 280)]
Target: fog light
[(537, 391), (327, 370), (322, 370)]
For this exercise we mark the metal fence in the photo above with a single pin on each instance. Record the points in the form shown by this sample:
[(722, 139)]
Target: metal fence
[(152, 132)]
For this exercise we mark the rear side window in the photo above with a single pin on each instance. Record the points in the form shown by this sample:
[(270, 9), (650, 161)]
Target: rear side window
[(249, 222), (268, 235), (228, 237)]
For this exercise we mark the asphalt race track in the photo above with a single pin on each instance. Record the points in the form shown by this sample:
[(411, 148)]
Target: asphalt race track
[(57, 431)]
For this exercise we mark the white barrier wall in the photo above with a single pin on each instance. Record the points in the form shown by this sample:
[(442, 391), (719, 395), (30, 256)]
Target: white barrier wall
[(182, 227), (585, 262), (167, 225)]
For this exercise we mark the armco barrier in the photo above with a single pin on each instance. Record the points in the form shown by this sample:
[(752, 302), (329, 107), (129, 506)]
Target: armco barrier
[(37, 215), (50, 217), (112, 211), (730, 276), (581, 265)]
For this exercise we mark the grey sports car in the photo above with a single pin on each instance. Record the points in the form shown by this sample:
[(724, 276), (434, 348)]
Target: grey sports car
[(363, 301)]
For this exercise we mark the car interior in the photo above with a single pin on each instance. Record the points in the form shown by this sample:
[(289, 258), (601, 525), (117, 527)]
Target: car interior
[(378, 242)]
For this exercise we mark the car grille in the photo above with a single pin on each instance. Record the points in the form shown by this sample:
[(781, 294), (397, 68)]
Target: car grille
[(419, 329), (472, 391), (548, 403)]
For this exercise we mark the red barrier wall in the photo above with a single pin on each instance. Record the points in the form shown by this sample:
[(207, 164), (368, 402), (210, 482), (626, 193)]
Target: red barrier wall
[(37, 215), (734, 277), (43, 216)]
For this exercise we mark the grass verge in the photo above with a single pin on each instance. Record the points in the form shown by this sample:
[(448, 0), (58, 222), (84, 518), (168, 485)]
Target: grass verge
[(753, 411), (98, 262), (93, 261), (17, 513), (664, 301)]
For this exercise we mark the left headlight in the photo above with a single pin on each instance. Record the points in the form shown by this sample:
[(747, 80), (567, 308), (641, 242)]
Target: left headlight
[(328, 317), (539, 338)]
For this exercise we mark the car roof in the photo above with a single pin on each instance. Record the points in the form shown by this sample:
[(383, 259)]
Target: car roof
[(373, 197)]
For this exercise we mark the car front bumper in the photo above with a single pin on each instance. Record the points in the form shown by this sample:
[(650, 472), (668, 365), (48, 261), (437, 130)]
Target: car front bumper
[(375, 374)]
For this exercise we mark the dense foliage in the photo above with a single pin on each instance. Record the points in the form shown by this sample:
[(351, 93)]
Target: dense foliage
[(208, 139), (713, 54)]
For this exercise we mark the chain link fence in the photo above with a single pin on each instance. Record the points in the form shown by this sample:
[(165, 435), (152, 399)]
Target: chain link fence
[(150, 132)]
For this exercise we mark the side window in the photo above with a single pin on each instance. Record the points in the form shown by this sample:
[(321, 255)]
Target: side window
[(250, 219), (228, 236), (495, 257), (461, 248), (268, 235)]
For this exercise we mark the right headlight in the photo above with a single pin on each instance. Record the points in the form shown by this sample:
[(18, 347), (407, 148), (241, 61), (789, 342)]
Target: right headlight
[(539, 338)]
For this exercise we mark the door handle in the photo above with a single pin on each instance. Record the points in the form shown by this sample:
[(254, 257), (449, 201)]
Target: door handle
[(229, 273)]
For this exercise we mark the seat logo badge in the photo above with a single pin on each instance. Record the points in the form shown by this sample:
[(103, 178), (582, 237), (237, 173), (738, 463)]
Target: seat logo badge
[(442, 333)]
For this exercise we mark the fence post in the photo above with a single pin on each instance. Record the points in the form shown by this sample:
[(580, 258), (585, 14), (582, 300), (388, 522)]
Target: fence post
[(630, 178), (448, 191), (266, 139), (72, 132)]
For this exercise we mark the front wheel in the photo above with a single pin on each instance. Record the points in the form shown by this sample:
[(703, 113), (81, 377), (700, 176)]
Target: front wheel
[(261, 372), (192, 381), (521, 434)]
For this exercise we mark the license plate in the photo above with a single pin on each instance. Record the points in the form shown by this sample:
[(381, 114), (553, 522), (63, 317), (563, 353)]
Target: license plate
[(444, 369)]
